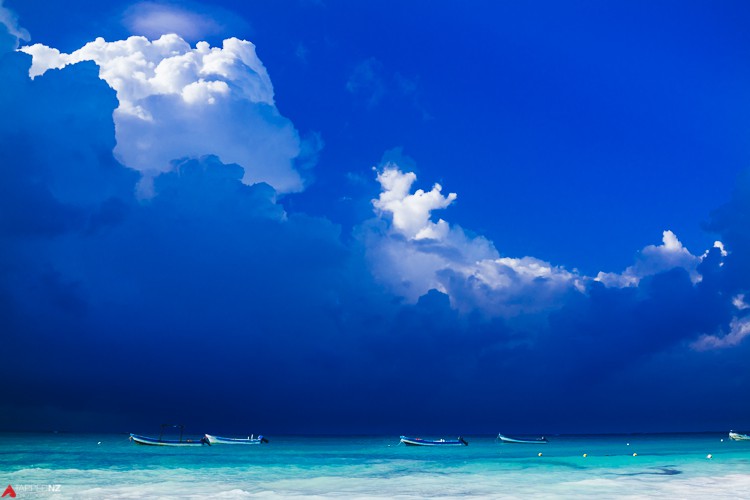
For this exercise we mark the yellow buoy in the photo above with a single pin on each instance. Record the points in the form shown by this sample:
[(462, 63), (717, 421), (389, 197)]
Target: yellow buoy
[(540, 454), (585, 455), (635, 454)]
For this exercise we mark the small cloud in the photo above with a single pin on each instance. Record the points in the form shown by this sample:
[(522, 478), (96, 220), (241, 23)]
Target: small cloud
[(655, 259), (411, 212), (738, 330), (720, 246), (9, 19), (366, 81), (409, 88), (739, 302), (301, 52), (357, 179)]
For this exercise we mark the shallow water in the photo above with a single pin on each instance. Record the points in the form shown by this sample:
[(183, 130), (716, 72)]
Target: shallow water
[(668, 466)]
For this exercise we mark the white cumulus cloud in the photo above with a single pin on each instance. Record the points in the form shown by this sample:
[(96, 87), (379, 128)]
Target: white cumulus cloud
[(176, 101), (655, 259), (415, 254), (411, 212)]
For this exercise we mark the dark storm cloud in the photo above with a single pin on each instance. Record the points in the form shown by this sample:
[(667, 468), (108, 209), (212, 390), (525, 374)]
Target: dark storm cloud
[(732, 221), (212, 304)]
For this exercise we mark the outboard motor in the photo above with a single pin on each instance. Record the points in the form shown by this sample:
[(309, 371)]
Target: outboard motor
[(263, 440), (466, 443)]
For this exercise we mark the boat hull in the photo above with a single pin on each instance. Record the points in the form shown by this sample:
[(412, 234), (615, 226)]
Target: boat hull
[(736, 436), (426, 442), (506, 439), (241, 441), (149, 441)]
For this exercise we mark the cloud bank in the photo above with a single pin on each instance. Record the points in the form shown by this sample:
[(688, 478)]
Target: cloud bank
[(176, 101), (212, 287)]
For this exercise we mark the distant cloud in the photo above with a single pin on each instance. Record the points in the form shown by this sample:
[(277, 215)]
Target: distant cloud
[(9, 20), (410, 89), (367, 82), (654, 259), (739, 302), (177, 101), (370, 83), (153, 19), (302, 52), (738, 330)]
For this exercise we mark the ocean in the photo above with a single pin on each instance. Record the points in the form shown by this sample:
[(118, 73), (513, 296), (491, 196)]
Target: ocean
[(91, 466)]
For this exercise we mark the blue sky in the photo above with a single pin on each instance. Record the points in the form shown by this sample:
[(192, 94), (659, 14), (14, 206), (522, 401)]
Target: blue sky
[(387, 217)]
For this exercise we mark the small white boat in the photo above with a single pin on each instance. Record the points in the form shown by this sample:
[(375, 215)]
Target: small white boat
[(160, 441), (506, 439), (226, 440), (438, 442), (736, 436)]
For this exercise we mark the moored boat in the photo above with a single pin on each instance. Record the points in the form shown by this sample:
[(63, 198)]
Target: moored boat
[(736, 436), (226, 440), (506, 439), (150, 441), (439, 442)]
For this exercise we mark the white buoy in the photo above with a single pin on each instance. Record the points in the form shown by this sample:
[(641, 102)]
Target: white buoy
[(709, 456), (99, 442), (635, 454), (722, 440), (540, 454)]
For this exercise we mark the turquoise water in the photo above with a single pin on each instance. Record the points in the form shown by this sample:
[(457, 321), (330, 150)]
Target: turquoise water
[(109, 466)]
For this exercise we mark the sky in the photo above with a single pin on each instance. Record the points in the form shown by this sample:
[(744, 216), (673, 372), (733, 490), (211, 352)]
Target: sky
[(315, 216)]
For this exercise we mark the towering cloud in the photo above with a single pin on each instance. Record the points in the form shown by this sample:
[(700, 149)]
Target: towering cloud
[(415, 254), (176, 101)]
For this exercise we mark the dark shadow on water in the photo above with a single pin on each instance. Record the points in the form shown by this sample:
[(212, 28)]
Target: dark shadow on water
[(554, 463), (656, 471)]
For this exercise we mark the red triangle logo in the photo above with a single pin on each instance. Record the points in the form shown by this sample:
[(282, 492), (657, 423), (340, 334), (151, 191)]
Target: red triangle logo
[(9, 492)]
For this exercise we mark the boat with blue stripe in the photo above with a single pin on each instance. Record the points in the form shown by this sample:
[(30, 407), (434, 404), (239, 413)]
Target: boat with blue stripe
[(160, 441), (511, 440), (408, 441), (228, 440)]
